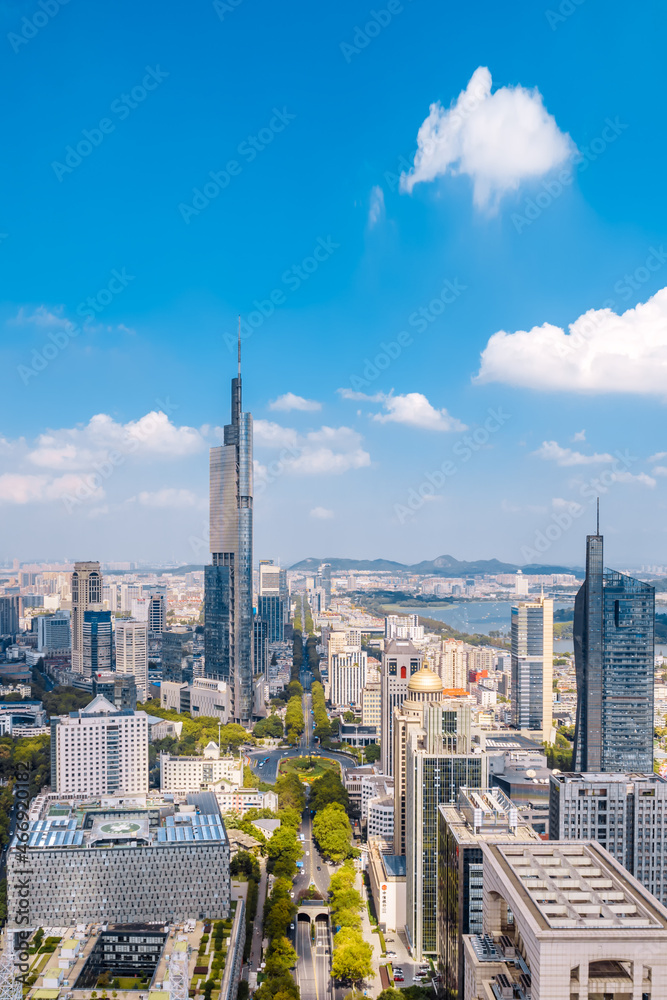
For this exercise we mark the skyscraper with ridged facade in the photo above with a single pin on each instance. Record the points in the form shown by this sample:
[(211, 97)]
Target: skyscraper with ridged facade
[(613, 652), (228, 611)]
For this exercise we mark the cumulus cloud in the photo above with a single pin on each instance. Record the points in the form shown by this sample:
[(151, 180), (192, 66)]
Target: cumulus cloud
[(499, 140), (659, 470), (579, 436), (152, 436), (602, 352), (329, 450), (321, 513), (551, 451), (289, 402), (641, 478), (414, 410), (362, 396), (376, 210), (168, 497), (17, 488)]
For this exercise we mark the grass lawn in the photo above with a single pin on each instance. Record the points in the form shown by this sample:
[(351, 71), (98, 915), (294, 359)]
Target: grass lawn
[(125, 983), (308, 768)]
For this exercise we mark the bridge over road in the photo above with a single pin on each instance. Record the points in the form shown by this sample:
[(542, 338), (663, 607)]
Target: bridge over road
[(313, 946)]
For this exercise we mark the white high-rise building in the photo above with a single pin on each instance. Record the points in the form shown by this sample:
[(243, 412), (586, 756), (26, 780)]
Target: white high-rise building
[(453, 664), (99, 751), (347, 676), (86, 596), (532, 665), (140, 607), (132, 652), (400, 661)]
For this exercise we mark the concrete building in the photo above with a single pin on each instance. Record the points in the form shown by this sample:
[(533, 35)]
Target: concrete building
[(452, 664), (122, 863), (353, 778), (400, 660), (532, 632), (347, 676), (371, 700), (119, 689), (202, 697), (177, 654), (54, 634), (132, 652), (626, 813), (374, 786), (86, 596), (565, 921), (380, 818), (9, 615), (403, 627), (99, 751), (480, 816), (184, 775), (386, 873)]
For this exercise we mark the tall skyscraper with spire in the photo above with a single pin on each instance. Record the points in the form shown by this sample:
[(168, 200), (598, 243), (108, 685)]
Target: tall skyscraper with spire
[(228, 611), (613, 652)]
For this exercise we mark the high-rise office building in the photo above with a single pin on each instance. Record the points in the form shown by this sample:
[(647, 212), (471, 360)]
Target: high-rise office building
[(86, 595), (626, 813), (614, 655), (347, 676), (231, 529), (217, 623), (132, 652), (438, 763), (177, 645), (118, 689), (532, 633), (270, 599), (97, 642), (157, 614), (400, 660), (261, 647), (53, 632), (9, 615)]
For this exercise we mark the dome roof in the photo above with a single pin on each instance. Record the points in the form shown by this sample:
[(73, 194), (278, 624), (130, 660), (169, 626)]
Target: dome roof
[(425, 680)]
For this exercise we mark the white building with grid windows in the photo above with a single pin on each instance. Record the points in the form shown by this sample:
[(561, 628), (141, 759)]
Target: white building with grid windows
[(99, 750)]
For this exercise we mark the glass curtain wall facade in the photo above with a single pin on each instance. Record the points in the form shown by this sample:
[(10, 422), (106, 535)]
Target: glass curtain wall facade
[(614, 622), (231, 534), (431, 781), (97, 642), (270, 610), (217, 623)]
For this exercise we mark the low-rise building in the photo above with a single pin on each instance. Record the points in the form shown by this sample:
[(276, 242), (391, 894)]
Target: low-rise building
[(183, 775), (386, 873)]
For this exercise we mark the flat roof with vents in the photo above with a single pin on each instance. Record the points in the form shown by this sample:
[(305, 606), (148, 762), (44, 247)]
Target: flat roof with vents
[(578, 886)]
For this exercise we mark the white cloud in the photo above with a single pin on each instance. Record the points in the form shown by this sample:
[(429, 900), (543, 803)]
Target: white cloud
[(378, 397), (659, 470), (152, 436), (641, 478), (289, 402), (18, 488), (551, 451), (43, 318), (267, 434), (321, 513), (579, 436), (377, 209), (658, 457), (498, 140), (329, 450), (603, 352), (414, 410), (168, 498)]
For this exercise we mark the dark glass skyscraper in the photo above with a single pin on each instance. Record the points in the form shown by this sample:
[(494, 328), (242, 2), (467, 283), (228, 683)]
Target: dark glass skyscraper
[(613, 650), (231, 548)]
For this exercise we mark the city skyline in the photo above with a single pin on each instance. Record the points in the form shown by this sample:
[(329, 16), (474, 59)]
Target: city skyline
[(406, 307)]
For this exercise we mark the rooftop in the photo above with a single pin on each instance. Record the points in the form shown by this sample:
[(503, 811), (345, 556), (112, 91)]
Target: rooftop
[(577, 885), (608, 777), (394, 865)]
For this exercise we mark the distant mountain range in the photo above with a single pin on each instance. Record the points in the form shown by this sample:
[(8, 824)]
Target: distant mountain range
[(442, 566)]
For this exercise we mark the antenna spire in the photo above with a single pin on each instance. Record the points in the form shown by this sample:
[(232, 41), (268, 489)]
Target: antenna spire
[(598, 517), (239, 346)]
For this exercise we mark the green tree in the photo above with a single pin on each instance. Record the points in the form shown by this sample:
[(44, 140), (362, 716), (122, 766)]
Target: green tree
[(372, 752), (281, 957), (332, 831), (283, 852), (290, 791), (352, 957), (328, 789)]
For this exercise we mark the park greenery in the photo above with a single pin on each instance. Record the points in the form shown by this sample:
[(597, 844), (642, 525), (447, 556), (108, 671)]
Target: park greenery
[(279, 913), (307, 768), (196, 733), (352, 955), (271, 727), (323, 730), (333, 833), (294, 720), (328, 789)]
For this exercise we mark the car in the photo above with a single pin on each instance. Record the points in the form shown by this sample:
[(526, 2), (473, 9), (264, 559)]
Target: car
[(307, 853), (398, 978), (292, 895), (291, 927), (319, 868), (391, 954)]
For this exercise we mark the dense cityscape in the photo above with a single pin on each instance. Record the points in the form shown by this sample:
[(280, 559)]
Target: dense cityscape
[(333, 577), (241, 779)]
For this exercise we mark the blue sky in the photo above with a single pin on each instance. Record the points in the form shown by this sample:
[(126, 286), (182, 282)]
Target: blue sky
[(132, 280)]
